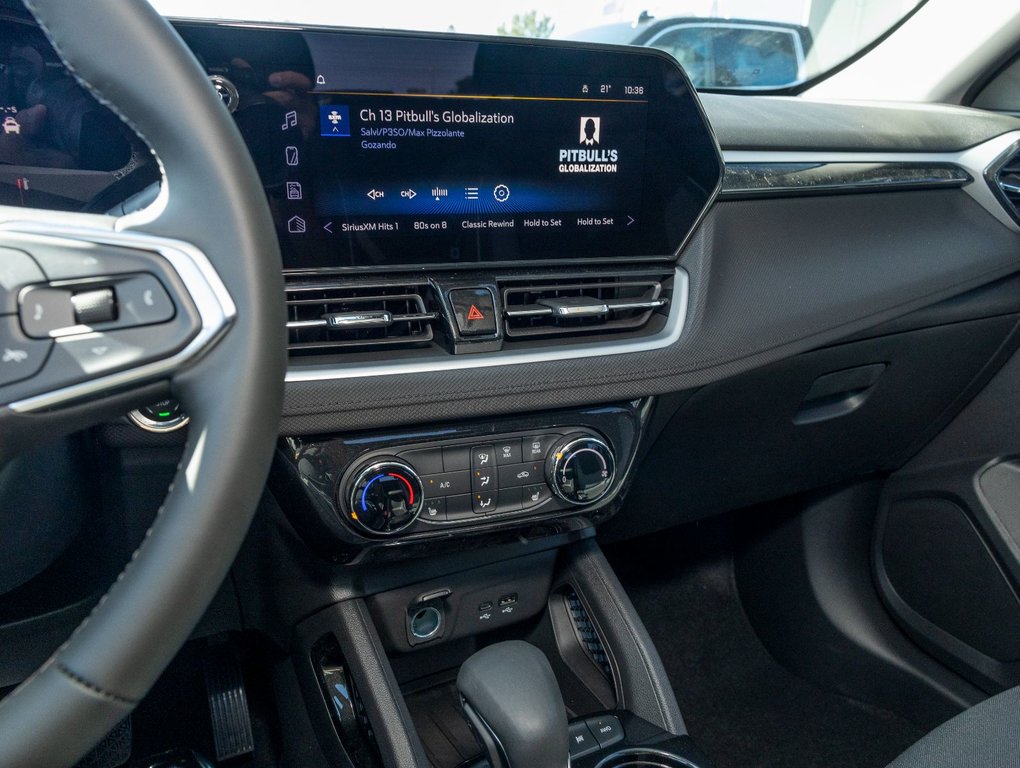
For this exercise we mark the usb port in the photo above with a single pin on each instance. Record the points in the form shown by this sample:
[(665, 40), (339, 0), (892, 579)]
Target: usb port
[(508, 600), (486, 606)]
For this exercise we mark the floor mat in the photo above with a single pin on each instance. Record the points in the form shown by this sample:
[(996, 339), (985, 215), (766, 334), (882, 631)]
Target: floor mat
[(741, 706)]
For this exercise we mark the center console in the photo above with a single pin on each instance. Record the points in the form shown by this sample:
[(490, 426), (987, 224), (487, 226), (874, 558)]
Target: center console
[(446, 203)]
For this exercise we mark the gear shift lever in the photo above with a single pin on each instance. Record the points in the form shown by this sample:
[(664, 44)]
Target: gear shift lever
[(511, 697)]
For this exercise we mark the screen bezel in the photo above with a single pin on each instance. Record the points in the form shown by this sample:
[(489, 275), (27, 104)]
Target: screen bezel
[(673, 110)]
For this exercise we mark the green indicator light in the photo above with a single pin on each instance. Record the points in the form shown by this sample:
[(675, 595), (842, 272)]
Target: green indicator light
[(163, 414)]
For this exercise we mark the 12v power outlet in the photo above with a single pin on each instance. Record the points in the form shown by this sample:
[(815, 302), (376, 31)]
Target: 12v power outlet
[(426, 622)]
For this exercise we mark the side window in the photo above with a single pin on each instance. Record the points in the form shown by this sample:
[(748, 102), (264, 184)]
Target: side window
[(60, 149)]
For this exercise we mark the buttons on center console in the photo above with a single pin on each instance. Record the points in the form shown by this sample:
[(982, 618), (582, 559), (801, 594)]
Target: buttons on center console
[(468, 481), (517, 475), (509, 451), (483, 456), (581, 741), (446, 484)]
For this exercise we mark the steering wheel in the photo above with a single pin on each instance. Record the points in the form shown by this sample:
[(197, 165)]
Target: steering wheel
[(210, 242)]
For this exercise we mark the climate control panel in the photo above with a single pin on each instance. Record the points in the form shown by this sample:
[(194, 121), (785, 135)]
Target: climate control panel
[(420, 490), (452, 483)]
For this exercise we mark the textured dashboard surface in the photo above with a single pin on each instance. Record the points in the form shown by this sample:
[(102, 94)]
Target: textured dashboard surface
[(769, 279), (787, 123)]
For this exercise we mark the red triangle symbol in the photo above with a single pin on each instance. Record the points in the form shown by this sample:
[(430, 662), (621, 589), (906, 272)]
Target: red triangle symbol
[(475, 313)]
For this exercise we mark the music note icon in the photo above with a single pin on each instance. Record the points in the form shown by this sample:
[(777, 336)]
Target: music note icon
[(290, 119)]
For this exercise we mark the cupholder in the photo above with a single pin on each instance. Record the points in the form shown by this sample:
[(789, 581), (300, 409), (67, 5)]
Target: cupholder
[(644, 758)]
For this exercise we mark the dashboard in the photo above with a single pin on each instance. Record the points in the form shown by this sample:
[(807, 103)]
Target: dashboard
[(492, 243)]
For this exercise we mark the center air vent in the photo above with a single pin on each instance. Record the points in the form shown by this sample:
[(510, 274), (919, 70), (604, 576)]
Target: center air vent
[(1007, 182), (588, 305), (321, 318)]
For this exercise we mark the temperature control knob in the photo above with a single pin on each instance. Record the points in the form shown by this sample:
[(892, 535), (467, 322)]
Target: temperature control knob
[(385, 498), (581, 469)]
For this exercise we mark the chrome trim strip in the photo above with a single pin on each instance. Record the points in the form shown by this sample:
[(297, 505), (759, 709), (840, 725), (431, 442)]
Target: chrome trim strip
[(787, 179), (212, 300), (976, 161), (158, 427), (669, 335)]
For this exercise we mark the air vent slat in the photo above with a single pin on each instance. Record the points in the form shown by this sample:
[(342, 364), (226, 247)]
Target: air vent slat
[(332, 317), (1006, 181), (588, 306)]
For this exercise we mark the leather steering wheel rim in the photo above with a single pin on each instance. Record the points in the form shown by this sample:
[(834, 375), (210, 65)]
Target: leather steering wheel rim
[(134, 62)]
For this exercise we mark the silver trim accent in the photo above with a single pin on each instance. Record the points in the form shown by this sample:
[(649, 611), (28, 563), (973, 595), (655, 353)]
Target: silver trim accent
[(632, 756), (976, 160), (212, 300), (785, 179), (359, 319), (556, 456), (141, 421), (433, 611), (224, 87), (577, 306), (669, 335), (559, 307)]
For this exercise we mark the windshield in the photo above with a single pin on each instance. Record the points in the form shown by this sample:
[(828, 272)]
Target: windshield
[(722, 44)]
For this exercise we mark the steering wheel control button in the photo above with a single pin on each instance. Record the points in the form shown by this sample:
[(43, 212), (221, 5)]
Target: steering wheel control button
[(581, 741), (606, 730), (434, 510), (17, 269), (94, 307), (509, 452), (164, 416), (385, 498), (474, 310), (45, 311), (93, 354), (537, 447), (142, 300), (82, 261), (581, 469), (20, 356), (447, 484)]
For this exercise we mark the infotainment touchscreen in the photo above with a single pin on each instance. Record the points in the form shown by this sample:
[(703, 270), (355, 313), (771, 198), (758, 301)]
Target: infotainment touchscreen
[(383, 150)]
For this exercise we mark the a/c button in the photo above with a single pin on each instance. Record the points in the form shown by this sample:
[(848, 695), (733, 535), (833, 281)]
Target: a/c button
[(474, 309)]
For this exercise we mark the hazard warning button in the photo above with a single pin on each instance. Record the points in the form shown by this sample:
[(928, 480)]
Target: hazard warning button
[(474, 310)]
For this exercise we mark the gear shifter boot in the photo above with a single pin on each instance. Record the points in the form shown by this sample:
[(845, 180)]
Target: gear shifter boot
[(511, 697)]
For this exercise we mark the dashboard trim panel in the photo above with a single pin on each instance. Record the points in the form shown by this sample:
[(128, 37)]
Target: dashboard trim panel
[(669, 335), (744, 180), (975, 161)]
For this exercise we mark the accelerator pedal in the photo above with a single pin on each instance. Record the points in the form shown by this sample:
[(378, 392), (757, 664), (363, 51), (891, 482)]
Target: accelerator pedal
[(228, 703)]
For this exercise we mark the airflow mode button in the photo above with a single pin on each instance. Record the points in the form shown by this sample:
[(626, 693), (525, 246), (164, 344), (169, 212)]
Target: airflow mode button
[(474, 310)]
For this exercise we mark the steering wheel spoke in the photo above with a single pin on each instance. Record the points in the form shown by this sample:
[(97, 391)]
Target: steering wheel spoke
[(90, 316)]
